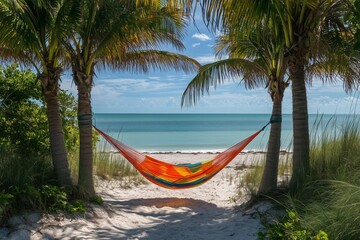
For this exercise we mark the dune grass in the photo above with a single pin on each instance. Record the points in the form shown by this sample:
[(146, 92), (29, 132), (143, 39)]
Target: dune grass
[(328, 204), (109, 165), (330, 198), (19, 170)]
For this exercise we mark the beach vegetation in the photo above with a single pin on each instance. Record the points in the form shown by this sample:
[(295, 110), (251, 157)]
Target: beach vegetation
[(329, 198), (27, 179), (23, 121), (120, 35), (308, 30), (289, 227), (256, 59), (109, 165), (31, 32), (46, 198)]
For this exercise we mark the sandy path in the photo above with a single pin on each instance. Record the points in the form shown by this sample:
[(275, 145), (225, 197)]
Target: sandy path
[(150, 212)]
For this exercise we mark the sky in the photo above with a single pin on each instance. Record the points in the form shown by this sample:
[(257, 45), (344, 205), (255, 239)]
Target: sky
[(160, 92)]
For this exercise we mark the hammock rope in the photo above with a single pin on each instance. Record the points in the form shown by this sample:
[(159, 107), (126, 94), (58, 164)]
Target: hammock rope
[(179, 176)]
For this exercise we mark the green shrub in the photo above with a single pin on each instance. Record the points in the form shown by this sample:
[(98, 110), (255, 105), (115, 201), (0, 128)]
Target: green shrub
[(23, 120), (54, 198), (76, 207), (47, 198), (290, 228), (96, 200)]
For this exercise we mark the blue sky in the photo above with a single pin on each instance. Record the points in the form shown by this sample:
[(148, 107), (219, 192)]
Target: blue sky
[(160, 92)]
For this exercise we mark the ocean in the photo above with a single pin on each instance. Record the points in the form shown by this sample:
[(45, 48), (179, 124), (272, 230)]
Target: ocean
[(198, 133)]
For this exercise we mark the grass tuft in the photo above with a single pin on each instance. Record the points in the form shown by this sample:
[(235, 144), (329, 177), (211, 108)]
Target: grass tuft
[(330, 197), (112, 165)]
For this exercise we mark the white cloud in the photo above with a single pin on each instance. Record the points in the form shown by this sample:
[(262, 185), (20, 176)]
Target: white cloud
[(201, 36), (206, 59), (195, 44), (155, 78), (132, 85)]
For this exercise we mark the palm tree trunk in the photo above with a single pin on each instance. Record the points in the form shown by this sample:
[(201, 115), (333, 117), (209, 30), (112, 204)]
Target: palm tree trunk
[(300, 122), (85, 182), (57, 140), (269, 179)]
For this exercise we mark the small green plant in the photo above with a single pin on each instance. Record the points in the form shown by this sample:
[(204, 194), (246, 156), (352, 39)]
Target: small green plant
[(77, 207), (96, 200), (54, 198), (289, 228), (5, 201), (250, 182)]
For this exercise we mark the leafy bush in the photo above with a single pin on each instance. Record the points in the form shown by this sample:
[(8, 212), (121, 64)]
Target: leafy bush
[(54, 198), (47, 198), (23, 120), (26, 171), (290, 228), (77, 207), (97, 200)]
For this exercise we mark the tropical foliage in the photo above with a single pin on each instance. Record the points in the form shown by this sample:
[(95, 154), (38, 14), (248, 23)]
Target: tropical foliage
[(121, 35), (307, 29), (256, 58), (31, 32), (23, 122)]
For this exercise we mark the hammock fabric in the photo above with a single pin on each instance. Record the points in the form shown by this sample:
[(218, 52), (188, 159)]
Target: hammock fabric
[(178, 176)]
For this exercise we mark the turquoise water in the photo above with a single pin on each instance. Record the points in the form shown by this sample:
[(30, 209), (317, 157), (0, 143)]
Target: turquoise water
[(196, 132)]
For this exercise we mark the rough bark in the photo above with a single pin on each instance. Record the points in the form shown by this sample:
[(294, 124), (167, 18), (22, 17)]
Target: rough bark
[(50, 87), (85, 181), (269, 179), (300, 121)]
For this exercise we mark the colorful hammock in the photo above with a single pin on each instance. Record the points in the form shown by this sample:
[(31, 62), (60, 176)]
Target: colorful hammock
[(178, 176)]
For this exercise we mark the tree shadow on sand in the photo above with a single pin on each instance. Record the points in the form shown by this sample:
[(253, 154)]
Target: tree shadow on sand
[(175, 218)]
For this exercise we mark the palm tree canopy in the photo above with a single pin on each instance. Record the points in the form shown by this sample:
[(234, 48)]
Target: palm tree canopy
[(103, 40), (31, 30), (314, 28), (256, 59)]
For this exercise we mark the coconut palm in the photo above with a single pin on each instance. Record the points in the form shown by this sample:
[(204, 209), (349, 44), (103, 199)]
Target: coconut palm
[(122, 35), (256, 59), (31, 32), (302, 24)]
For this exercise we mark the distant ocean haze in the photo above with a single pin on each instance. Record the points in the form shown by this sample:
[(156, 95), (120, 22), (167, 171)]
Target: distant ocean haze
[(197, 133)]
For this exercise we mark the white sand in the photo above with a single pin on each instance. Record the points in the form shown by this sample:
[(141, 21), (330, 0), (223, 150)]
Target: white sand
[(150, 212)]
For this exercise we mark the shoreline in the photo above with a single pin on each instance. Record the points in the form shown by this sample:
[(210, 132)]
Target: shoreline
[(206, 152), (242, 159), (195, 152)]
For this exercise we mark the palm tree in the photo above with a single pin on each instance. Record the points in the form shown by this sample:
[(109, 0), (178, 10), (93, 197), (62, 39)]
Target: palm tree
[(31, 32), (121, 35), (256, 59), (302, 24)]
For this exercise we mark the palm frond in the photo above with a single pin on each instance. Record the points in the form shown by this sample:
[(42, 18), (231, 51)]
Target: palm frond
[(249, 73), (142, 61)]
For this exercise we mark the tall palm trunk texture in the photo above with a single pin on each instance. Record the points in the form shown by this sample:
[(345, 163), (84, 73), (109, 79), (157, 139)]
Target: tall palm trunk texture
[(269, 179), (85, 182), (50, 87), (300, 121)]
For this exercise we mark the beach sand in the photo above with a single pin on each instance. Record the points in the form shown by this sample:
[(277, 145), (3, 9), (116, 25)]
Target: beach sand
[(150, 212)]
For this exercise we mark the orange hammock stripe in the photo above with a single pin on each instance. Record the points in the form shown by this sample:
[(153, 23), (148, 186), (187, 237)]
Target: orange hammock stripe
[(178, 176)]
